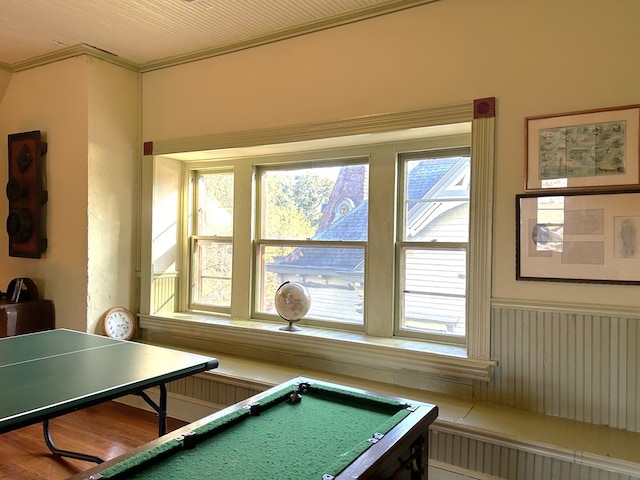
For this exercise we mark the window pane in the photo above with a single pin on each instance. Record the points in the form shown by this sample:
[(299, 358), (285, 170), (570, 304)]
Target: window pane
[(212, 246), (215, 204), (333, 276), (211, 273), (433, 297), (323, 203), (437, 200), (436, 219)]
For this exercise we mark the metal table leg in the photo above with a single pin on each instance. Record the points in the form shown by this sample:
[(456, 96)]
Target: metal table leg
[(65, 453), (161, 409)]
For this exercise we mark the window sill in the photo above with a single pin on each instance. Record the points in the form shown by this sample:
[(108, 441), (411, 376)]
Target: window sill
[(415, 364)]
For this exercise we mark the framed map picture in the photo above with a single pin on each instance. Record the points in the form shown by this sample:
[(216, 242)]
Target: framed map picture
[(590, 149)]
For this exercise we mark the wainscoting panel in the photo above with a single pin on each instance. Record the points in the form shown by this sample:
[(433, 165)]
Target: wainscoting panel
[(163, 293), (202, 387), (509, 463), (576, 365)]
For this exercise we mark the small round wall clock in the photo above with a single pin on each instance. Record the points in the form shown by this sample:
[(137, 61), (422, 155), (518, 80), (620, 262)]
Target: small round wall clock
[(119, 323)]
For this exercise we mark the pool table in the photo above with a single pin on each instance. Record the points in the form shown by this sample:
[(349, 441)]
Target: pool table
[(302, 429)]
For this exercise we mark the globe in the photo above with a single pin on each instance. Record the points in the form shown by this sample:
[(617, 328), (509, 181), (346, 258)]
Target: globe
[(292, 302)]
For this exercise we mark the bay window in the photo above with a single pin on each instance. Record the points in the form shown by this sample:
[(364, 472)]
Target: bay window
[(386, 220)]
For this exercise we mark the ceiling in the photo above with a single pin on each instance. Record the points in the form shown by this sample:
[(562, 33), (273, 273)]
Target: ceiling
[(149, 34)]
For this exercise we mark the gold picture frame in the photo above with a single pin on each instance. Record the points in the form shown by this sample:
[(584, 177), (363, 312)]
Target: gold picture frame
[(583, 150), (587, 237)]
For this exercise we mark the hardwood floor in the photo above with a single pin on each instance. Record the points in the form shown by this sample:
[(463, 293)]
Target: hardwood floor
[(105, 430)]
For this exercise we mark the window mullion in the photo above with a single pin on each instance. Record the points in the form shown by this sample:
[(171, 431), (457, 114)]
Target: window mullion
[(380, 261), (241, 287)]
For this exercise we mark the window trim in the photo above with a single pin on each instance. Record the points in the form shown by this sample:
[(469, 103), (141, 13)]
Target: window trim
[(475, 364)]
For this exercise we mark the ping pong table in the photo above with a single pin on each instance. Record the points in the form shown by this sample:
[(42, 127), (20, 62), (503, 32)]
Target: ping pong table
[(47, 374)]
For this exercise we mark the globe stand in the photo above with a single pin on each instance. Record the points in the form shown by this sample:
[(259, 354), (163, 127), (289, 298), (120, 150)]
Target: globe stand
[(291, 327)]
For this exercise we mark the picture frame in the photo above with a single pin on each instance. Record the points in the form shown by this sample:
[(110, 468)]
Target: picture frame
[(583, 150), (585, 237)]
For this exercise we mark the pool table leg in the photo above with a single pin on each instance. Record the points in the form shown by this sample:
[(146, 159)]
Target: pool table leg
[(416, 462), (418, 468)]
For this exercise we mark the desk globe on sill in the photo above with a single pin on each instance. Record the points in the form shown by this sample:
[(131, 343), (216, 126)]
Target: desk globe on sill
[(292, 302)]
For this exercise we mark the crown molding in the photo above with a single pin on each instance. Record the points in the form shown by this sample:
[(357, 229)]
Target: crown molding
[(383, 8), (70, 52), (6, 67)]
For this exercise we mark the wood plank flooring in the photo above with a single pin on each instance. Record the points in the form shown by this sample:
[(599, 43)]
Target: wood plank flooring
[(105, 430)]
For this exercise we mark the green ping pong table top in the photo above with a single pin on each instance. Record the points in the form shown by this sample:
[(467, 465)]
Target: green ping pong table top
[(50, 373)]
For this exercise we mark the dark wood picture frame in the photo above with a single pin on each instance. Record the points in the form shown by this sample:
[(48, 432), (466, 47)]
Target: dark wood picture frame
[(584, 237)]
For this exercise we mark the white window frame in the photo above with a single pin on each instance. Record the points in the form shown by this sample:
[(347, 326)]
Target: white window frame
[(287, 162), (402, 243), (194, 236), (239, 334)]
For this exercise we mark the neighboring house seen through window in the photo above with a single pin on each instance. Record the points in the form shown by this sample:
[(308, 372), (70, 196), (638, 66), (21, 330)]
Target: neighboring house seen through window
[(433, 241), (314, 232)]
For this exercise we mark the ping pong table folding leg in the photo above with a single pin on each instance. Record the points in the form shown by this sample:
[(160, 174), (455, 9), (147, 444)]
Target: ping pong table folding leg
[(65, 453), (161, 409)]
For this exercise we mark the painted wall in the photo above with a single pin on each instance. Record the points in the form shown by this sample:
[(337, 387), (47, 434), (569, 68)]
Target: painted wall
[(113, 162), (88, 111), (54, 99), (536, 57)]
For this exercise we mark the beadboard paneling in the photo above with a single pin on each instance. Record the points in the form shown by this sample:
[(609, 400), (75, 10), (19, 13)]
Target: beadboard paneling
[(164, 293), (202, 387), (510, 463), (579, 366)]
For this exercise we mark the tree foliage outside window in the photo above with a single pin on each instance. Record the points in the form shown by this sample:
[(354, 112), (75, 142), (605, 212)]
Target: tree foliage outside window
[(293, 201)]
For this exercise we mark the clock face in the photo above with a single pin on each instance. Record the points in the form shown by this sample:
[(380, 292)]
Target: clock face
[(119, 323)]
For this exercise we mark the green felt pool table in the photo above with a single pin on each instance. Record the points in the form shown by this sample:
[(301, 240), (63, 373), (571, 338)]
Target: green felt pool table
[(301, 429)]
